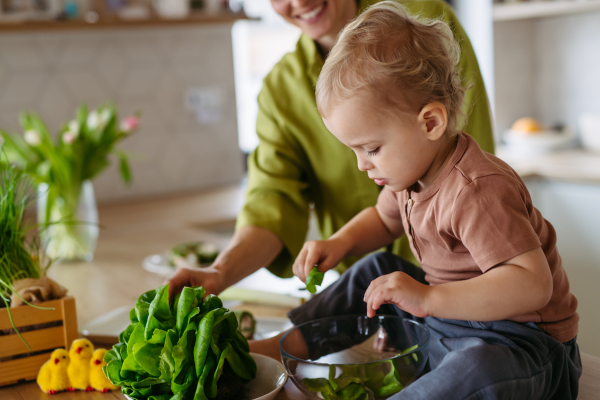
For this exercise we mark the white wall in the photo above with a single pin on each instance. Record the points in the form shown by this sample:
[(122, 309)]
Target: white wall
[(547, 68), (257, 47), (568, 80), (476, 18), (514, 71), (146, 69)]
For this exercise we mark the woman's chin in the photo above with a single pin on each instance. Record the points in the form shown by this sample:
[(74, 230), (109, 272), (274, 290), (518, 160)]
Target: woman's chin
[(316, 33)]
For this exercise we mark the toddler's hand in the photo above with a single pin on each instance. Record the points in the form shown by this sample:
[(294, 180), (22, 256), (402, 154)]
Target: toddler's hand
[(324, 253), (400, 289)]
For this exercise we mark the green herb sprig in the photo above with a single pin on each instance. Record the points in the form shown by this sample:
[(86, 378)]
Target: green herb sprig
[(16, 259)]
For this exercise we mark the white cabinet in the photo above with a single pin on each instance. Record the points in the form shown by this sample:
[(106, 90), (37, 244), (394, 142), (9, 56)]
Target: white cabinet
[(574, 211)]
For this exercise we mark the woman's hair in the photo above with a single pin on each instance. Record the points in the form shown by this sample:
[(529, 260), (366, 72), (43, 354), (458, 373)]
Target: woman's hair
[(400, 59)]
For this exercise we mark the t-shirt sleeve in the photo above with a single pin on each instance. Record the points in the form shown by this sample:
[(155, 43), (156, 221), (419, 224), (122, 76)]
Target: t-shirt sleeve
[(491, 218), (277, 196), (387, 204)]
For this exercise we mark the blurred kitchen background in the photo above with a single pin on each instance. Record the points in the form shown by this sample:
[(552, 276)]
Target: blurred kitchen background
[(193, 68)]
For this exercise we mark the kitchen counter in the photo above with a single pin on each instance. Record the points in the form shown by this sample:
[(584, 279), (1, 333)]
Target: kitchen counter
[(574, 165), (134, 230)]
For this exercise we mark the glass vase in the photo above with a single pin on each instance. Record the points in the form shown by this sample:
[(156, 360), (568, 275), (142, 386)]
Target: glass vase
[(71, 233)]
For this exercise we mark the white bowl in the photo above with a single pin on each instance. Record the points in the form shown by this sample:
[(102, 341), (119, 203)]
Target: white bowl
[(270, 378), (539, 143)]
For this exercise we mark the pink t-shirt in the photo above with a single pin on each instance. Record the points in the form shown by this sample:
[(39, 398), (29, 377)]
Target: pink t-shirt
[(476, 215)]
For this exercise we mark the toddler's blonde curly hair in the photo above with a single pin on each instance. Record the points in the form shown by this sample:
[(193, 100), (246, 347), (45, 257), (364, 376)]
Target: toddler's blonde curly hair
[(402, 60)]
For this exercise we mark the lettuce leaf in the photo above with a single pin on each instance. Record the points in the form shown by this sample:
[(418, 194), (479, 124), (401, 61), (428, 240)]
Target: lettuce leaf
[(177, 351), (314, 279)]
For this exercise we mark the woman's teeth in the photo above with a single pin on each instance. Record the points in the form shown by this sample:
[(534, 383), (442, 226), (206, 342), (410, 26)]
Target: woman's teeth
[(312, 13)]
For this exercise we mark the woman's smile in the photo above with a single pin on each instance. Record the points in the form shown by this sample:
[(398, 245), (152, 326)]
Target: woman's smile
[(321, 20), (313, 14)]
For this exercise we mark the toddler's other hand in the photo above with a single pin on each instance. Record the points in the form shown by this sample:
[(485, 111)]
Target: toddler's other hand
[(400, 289), (324, 253)]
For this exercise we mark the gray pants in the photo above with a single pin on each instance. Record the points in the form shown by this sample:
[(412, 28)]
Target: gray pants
[(467, 359)]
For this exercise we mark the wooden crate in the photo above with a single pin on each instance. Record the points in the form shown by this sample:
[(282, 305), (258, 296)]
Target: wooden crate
[(16, 362)]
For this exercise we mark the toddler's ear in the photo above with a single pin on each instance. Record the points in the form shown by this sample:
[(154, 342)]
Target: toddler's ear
[(433, 120)]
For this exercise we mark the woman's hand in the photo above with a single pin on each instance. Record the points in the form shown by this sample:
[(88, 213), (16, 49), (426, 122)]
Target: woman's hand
[(209, 278), (324, 253), (238, 260), (400, 289)]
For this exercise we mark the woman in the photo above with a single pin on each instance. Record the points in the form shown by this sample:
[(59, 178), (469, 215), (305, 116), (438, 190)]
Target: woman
[(298, 164)]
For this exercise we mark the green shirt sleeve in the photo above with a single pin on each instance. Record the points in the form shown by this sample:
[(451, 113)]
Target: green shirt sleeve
[(277, 197)]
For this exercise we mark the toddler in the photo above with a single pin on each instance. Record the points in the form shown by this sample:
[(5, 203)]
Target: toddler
[(491, 287)]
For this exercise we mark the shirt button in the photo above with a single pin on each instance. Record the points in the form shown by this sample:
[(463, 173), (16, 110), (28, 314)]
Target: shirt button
[(410, 240), (410, 202)]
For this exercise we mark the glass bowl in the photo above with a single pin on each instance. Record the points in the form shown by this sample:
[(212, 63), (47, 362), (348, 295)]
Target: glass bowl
[(355, 357)]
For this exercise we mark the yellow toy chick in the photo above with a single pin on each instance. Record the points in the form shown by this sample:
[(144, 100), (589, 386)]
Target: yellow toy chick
[(53, 377), (79, 369), (98, 380)]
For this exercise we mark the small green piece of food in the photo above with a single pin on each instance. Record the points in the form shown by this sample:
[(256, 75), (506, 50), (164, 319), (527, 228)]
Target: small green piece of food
[(414, 355), (314, 279), (193, 254), (246, 323)]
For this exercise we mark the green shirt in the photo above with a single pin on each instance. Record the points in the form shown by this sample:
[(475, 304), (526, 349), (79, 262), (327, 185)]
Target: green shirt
[(299, 163)]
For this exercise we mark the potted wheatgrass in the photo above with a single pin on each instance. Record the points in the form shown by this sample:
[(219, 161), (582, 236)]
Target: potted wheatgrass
[(63, 169), (20, 254), (28, 333)]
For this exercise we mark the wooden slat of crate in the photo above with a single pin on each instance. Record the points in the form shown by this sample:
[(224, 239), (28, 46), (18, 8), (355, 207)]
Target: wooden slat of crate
[(28, 367), (44, 339), (26, 315), (22, 368), (69, 317)]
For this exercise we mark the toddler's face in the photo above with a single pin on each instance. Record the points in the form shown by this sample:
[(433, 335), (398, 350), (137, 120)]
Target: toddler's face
[(394, 149)]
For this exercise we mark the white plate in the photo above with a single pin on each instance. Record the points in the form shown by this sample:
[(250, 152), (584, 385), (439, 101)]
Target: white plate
[(267, 327), (270, 378), (159, 264), (111, 324)]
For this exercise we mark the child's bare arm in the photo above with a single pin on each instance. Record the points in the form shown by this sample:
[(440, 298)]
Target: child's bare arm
[(367, 231), (518, 286)]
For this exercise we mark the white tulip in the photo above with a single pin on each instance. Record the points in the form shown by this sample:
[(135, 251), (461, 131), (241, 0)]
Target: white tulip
[(73, 128), (32, 137), (93, 120)]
